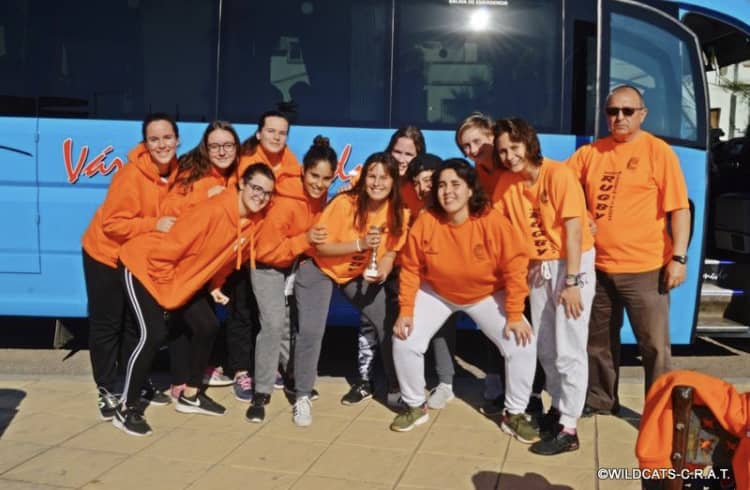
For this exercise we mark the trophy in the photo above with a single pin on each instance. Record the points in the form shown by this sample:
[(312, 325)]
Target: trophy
[(372, 268)]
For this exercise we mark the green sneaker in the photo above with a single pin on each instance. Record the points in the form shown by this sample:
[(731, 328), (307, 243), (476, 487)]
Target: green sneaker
[(409, 418), (519, 426)]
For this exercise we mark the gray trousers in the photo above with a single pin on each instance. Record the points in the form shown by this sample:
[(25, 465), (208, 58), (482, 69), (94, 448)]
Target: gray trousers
[(313, 290), (272, 345)]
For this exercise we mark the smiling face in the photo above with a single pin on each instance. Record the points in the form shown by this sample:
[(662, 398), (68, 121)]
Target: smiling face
[(317, 178), (453, 195), (255, 194), (378, 183), (621, 126), (404, 152), (222, 148), (161, 142), (423, 184), (512, 154), (476, 144), (272, 136)]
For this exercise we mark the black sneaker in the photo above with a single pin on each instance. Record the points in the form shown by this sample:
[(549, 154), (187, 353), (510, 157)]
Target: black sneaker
[(200, 403), (130, 420), (549, 424), (257, 411), (359, 392), (494, 406), (589, 411), (153, 396), (535, 408), (107, 404), (561, 443)]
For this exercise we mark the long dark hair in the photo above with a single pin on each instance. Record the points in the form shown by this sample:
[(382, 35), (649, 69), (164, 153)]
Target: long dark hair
[(249, 145), (479, 203), (411, 132), (196, 163), (359, 191)]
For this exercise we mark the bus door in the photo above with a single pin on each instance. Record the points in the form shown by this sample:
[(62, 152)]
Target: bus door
[(644, 47), (19, 197)]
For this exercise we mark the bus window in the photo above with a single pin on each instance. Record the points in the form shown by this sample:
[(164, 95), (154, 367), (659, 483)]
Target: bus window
[(326, 59), (660, 65), (108, 60), (451, 59)]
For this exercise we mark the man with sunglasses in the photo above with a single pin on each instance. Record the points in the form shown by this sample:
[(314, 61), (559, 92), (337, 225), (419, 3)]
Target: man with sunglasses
[(634, 186)]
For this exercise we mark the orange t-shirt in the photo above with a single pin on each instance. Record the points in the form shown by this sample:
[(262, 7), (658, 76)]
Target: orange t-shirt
[(283, 235), (630, 187), (131, 208), (181, 198), (208, 239), (540, 210), (289, 166), (465, 263), (338, 217)]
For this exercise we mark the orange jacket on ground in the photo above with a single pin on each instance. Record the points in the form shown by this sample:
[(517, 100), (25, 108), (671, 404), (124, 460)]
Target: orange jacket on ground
[(487, 180), (465, 263), (731, 409), (207, 239), (289, 165), (338, 217), (181, 198), (283, 235), (132, 206), (630, 187), (539, 211)]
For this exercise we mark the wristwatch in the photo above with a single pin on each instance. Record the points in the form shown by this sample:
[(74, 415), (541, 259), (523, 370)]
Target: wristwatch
[(682, 259), (573, 280)]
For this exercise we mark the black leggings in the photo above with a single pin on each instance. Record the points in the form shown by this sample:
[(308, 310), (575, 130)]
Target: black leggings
[(197, 315)]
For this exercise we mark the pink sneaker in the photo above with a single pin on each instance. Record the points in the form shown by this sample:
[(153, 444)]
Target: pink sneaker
[(175, 391)]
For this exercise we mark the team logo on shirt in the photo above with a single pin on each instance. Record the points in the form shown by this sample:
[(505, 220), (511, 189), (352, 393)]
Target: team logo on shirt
[(632, 163), (478, 252), (537, 233)]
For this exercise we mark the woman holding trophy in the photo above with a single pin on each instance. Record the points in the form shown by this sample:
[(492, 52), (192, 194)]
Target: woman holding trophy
[(366, 228)]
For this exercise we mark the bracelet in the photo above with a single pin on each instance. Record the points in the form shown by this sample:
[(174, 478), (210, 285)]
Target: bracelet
[(359, 247)]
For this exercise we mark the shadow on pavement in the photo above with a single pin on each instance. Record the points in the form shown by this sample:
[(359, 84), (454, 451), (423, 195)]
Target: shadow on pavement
[(10, 399), (490, 480)]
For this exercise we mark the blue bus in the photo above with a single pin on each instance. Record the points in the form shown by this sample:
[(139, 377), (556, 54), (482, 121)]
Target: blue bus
[(78, 76)]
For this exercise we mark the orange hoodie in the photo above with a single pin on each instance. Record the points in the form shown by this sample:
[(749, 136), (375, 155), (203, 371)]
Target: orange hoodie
[(465, 263), (338, 217), (653, 447), (289, 165), (283, 235), (131, 208), (540, 210), (180, 199), (208, 239)]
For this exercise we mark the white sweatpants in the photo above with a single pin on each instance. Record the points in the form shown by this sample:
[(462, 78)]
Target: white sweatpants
[(430, 312), (561, 341)]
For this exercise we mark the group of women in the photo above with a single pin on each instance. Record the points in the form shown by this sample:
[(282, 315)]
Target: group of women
[(413, 241)]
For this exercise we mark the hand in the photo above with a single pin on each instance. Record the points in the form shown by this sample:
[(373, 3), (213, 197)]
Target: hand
[(384, 269), (403, 327), (674, 274), (219, 297), (164, 224), (372, 239), (317, 234), (521, 330), (217, 189), (592, 224), (570, 297)]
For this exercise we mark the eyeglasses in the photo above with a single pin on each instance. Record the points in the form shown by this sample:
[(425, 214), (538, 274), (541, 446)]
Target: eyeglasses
[(626, 111), (214, 147), (258, 190)]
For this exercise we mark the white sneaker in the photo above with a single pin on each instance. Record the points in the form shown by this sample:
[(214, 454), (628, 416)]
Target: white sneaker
[(493, 386), (215, 377), (302, 412), (440, 396)]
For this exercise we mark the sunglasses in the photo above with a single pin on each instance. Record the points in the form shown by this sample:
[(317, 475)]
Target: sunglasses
[(626, 111)]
